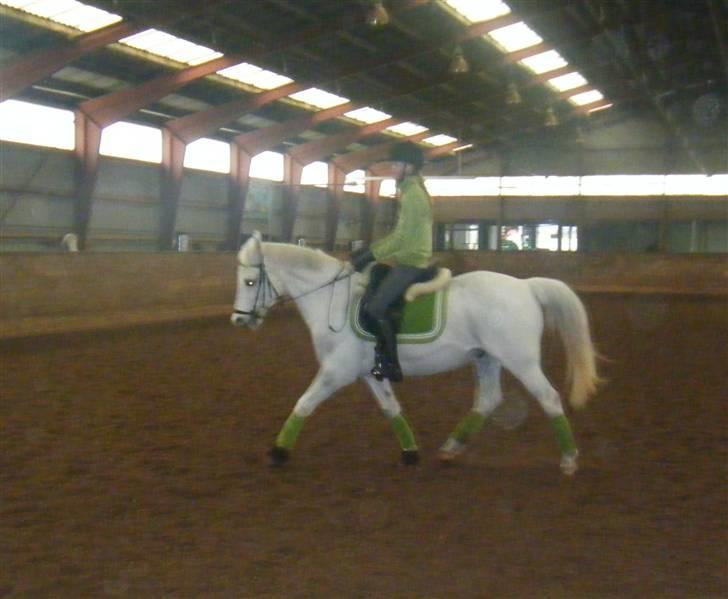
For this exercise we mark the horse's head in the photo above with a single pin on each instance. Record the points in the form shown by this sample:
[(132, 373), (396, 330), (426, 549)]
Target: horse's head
[(255, 294)]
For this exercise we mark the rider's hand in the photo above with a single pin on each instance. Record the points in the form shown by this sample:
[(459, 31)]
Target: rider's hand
[(360, 258)]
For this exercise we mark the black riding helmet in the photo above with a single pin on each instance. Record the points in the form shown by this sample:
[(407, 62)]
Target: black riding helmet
[(409, 153)]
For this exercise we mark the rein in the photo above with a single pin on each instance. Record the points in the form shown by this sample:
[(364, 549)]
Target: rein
[(265, 285)]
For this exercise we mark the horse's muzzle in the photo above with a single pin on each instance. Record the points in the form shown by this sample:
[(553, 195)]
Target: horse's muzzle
[(239, 319), (251, 320)]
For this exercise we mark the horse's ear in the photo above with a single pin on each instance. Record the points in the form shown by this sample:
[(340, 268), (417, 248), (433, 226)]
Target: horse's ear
[(258, 236)]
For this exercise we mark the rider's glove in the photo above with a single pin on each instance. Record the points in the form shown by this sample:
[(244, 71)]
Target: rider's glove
[(360, 258)]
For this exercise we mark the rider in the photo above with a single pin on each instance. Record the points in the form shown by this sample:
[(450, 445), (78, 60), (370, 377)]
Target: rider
[(408, 249)]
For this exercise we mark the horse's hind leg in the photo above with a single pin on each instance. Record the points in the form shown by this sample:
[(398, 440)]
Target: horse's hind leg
[(382, 391), (536, 382), (487, 397)]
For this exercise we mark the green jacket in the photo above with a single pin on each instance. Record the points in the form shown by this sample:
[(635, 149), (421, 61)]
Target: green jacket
[(410, 243)]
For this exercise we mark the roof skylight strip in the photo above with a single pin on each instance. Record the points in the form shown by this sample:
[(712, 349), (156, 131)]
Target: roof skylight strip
[(169, 46), (255, 76), (66, 12), (476, 11)]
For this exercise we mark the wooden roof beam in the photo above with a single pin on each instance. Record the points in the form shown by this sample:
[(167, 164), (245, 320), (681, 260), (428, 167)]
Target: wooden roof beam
[(27, 70), (321, 148), (363, 158)]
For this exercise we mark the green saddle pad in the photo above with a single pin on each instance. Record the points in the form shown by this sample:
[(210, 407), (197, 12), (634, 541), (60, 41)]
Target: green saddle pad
[(423, 320)]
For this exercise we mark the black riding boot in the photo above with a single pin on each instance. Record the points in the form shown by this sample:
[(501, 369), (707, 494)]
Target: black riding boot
[(386, 362)]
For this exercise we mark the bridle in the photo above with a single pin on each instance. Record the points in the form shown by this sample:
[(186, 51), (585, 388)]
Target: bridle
[(266, 290)]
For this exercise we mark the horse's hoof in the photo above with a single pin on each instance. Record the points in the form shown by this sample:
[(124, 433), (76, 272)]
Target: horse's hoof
[(569, 464), (446, 457), (450, 450), (410, 457), (279, 456)]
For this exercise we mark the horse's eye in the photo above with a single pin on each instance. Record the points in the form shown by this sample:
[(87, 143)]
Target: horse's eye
[(249, 282)]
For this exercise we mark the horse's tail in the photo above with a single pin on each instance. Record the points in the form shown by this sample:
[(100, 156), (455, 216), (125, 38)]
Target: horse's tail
[(565, 313)]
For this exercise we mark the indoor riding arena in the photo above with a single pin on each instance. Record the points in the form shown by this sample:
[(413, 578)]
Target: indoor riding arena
[(142, 143)]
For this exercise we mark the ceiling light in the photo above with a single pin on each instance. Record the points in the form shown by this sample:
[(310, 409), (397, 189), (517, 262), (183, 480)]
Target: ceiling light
[(550, 118), (513, 96), (459, 64), (378, 16)]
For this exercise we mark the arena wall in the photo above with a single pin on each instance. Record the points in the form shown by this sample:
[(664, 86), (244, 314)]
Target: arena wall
[(42, 294)]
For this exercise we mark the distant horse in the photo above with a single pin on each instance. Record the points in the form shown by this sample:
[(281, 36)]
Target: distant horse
[(493, 321)]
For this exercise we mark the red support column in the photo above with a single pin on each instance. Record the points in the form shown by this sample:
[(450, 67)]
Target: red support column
[(369, 210), (238, 185), (88, 141), (335, 193), (291, 193), (173, 157)]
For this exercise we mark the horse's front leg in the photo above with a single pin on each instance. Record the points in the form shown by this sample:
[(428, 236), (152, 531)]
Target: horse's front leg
[(382, 391), (326, 382)]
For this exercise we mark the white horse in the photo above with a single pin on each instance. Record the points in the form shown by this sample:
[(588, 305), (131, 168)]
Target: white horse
[(493, 321)]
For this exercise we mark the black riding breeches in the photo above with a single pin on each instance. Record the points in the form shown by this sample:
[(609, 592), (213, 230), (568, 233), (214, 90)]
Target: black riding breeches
[(392, 288)]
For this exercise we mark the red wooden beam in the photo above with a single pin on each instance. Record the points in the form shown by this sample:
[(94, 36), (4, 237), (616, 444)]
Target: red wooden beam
[(238, 184), (433, 153), (198, 124), (266, 138), (368, 210), (291, 193), (335, 196), (361, 158), (88, 140), (173, 157), (321, 148), (27, 70)]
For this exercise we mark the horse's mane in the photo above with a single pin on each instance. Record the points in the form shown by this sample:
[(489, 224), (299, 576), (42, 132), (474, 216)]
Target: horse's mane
[(297, 256)]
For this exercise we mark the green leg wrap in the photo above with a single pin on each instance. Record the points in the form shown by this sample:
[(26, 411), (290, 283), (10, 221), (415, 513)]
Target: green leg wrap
[(289, 433), (404, 433), (562, 428), (467, 427)]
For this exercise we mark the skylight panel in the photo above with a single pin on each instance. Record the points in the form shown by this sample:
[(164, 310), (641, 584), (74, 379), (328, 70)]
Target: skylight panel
[(66, 12), (586, 98), (515, 37), (544, 62), (255, 76), (318, 98), (368, 115), (480, 10), (166, 45), (407, 129), (439, 140), (567, 82)]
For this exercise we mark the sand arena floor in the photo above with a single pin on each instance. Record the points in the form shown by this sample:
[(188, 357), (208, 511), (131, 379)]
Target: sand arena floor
[(132, 464)]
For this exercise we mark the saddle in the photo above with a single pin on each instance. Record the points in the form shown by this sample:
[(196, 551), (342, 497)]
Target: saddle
[(417, 320)]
